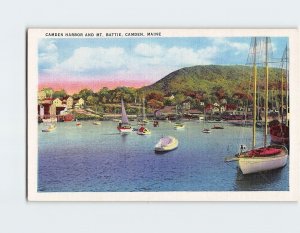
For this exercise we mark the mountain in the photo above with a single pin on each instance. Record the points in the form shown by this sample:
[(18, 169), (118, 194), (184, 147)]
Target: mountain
[(209, 78)]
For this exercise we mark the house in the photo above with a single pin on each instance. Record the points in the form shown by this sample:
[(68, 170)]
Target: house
[(169, 97), (216, 107), (165, 112), (62, 110), (45, 110), (193, 113), (41, 95), (57, 102), (68, 102), (186, 105), (78, 103), (223, 108)]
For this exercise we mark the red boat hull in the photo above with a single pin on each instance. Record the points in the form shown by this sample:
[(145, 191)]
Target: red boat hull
[(69, 117), (280, 134)]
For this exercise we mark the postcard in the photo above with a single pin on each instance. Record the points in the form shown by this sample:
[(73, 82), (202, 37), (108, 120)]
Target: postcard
[(162, 114)]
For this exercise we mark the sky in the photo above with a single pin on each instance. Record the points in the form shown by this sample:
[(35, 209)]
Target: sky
[(76, 63)]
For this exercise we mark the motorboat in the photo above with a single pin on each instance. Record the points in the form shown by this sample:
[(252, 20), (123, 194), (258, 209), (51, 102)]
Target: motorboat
[(166, 143), (143, 131)]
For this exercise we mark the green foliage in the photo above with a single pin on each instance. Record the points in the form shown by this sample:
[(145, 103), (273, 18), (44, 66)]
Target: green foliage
[(48, 91), (80, 116), (155, 95), (91, 100), (85, 93), (211, 83), (59, 94), (155, 104)]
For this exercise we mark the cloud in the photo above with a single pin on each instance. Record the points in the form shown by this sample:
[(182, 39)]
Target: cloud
[(148, 50), (225, 44), (144, 59), (102, 60), (187, 56), (48, 54)]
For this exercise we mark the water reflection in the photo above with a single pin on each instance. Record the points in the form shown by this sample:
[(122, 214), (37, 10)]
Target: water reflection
[(262, 181)]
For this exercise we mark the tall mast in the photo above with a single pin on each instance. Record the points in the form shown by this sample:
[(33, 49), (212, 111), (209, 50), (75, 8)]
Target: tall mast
[(282, 79), (254, 94), (287, 83), (144, 113), (266, 93)]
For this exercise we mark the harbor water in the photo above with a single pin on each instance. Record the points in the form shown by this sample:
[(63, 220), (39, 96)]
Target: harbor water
[(97, 158)]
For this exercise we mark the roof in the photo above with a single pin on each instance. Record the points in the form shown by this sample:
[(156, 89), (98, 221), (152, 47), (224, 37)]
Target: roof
[(167, 109), (194, 111), (47, 101), (65, 98)]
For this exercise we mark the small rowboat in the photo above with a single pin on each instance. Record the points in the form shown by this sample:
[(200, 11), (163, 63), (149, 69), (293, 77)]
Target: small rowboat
[(206, 131), (50, 128), (217, 127), (178, 126)]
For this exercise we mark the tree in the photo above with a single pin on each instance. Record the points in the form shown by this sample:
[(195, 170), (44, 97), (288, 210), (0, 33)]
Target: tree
[(155, 95), (48, 91), (179, 98), (84, 93), (169, 102), (59, 94), (91, 100), (155, 104), (104, 95)]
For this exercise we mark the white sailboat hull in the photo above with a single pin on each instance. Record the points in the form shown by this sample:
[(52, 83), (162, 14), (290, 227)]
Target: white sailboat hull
[(125, 131), (259, 164)]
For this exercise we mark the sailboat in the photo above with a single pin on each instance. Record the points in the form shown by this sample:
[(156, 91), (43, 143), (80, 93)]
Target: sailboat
[(267, 157), (124, 126), (78, 123), (178, 124), (144, 119), (280, 131), (143, 130), (205, 130)]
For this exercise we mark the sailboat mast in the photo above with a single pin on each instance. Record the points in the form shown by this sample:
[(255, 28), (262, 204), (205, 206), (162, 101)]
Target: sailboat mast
[(282, 79), (266, 93), (254, 94), (287, 87), (144, 114)]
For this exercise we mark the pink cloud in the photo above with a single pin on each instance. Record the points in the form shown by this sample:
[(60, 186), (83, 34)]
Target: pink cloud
[(73, 86)]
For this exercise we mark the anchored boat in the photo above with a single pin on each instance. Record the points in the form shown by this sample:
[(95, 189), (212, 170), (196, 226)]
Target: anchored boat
[(280, 131), (143, 131), (50, 128), (178, 125), (166, 143), (124, 127), (267, 157)]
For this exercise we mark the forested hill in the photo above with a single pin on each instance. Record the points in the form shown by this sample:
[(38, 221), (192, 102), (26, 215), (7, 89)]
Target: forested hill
[(211, 78)]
